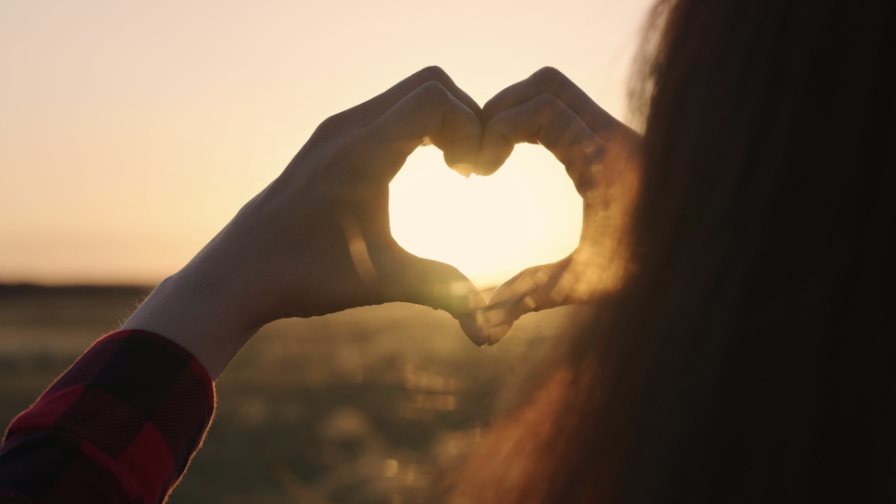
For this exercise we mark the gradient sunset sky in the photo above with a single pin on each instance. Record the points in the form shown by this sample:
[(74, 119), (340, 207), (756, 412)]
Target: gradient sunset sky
[(130, 132)]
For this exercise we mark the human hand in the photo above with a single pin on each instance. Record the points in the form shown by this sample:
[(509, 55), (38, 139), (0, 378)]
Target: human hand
[(317, 239), (600, 155)]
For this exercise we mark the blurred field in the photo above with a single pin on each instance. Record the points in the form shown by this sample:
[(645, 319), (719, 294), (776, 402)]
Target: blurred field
[(373, 405)]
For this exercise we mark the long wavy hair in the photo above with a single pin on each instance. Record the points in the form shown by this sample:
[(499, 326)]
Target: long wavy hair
[(749, 356)]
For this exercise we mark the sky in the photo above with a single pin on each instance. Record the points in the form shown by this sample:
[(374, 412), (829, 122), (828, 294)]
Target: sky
[(130, 132)]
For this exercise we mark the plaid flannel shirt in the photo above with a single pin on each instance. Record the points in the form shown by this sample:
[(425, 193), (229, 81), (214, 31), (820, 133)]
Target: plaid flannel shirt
[(120, 425)]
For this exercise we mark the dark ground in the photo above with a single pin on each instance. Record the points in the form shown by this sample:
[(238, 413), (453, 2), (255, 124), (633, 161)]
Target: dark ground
[(373, 405)]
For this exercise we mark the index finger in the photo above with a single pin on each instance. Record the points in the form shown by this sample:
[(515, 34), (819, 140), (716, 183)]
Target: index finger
[(546, 120), (369, 111), (549, 80), (428, 113)]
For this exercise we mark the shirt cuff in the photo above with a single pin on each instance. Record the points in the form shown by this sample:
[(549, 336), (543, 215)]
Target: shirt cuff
[(136, 403)]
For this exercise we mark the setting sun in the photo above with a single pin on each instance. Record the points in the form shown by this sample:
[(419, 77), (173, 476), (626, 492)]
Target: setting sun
[(132, 133), (490, 228)]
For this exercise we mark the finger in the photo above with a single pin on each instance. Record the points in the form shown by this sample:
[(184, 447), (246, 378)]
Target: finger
[(546, 120), (428, 113), (552, 81), (441, 286), (534, 289), (370, 110)]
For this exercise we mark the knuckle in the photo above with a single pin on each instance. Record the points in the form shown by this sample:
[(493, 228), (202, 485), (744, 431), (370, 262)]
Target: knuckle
[(329, 129), (549, 75), (331, 122), (433, 73), (432, 92)]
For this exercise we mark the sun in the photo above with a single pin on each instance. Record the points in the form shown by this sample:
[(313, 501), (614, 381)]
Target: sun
[(490, 228)]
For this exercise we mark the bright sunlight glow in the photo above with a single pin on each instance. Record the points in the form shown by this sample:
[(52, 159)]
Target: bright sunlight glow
[(131, 132), (490, 228)]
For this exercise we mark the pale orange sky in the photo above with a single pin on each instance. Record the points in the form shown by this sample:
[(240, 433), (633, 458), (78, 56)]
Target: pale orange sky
[(131, 132)]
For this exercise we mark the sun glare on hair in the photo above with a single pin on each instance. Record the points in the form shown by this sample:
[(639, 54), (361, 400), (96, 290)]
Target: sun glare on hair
[(490, 228)]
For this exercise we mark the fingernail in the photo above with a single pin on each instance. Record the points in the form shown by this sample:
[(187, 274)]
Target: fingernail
[(496, 333), (530, 303), (494, 317), (464, 169)]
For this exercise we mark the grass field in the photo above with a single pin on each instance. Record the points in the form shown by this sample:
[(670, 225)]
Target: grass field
[(373, 405)]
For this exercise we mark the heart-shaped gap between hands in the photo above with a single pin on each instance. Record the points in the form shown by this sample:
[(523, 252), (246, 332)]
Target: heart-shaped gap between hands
[(489, 227)]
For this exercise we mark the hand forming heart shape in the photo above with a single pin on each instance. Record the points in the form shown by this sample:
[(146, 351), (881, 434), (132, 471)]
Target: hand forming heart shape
[(379, 135), (599, 155), (317, 239)]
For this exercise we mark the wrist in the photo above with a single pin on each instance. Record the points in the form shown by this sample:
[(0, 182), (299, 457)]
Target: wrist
[(198, 315)]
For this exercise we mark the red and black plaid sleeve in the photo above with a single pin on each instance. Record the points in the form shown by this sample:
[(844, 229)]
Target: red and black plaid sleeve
[(120, 425)]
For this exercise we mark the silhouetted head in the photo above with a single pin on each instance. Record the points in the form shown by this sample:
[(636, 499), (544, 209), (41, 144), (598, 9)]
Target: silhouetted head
[(749, 356)]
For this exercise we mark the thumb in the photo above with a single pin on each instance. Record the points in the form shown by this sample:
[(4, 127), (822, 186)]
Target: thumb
[(443, 287), (533, 289)]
